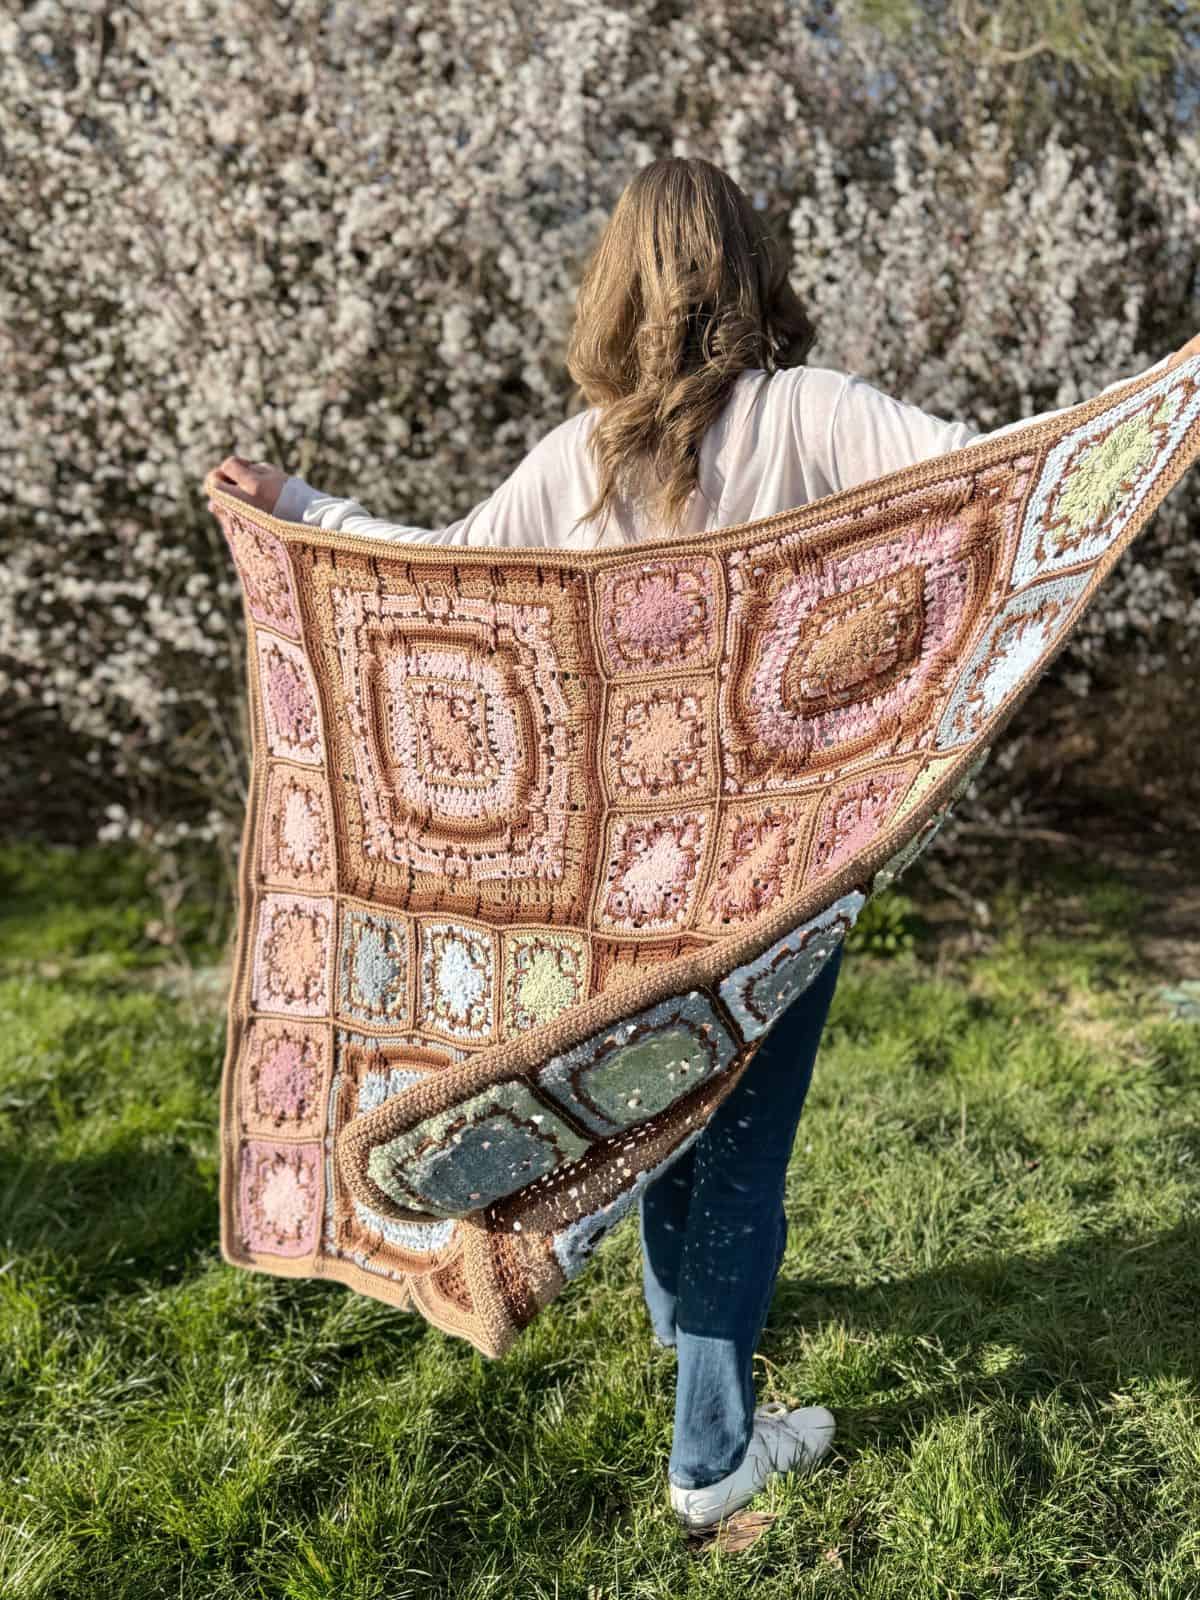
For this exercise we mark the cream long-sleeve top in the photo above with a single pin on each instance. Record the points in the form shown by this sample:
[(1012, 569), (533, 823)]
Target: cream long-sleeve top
[(782, 439)]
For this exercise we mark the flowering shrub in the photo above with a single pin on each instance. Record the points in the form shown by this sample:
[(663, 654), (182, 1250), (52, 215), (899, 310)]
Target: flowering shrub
[(346, 239)]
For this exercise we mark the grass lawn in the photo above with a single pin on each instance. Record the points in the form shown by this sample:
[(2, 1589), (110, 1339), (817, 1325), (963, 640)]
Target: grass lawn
[(991, 1278)]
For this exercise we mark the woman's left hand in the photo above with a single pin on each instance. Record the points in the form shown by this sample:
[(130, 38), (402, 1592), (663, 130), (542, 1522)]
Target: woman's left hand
[(1191, 348), (256, 482)]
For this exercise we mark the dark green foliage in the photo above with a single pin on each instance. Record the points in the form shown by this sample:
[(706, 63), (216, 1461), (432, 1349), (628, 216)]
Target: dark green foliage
[(888, 926)]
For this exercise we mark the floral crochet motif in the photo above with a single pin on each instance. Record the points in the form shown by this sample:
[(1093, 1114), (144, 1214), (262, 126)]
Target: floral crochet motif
[(287, 1066), (298, 830), (458, 981), (661, 741), (292, 955), (659, 614), (653, 871), (266, 578), (280, 1197), (544, 973), (289, 701)]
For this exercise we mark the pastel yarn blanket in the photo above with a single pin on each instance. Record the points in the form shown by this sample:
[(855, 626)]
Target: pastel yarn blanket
[(539, 844)]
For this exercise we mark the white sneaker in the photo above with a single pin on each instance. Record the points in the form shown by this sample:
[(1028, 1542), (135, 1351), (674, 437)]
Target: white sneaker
[(782, 1441)]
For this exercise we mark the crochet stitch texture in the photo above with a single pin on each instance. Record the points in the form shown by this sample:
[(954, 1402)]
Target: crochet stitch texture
[(540, 844)]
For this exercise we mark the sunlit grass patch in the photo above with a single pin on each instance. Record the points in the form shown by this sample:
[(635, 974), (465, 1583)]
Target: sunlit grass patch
[(990, 1277)]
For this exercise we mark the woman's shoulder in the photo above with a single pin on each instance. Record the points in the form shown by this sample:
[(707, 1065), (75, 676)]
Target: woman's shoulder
[(562, 441), (819, 385), (552, 473)]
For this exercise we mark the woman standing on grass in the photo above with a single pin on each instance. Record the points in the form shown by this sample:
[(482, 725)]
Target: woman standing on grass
[(689, 347)]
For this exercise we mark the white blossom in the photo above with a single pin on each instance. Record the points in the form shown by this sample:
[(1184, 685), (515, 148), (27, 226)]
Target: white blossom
[(348, 239)]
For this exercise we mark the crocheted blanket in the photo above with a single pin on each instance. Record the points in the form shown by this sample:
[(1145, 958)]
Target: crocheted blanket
[(540, 844)]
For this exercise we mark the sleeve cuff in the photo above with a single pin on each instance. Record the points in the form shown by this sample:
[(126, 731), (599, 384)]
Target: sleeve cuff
[(294, 499)]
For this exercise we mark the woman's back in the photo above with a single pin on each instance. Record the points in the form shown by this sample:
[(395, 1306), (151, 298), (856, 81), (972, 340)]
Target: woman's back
[(781, 440)]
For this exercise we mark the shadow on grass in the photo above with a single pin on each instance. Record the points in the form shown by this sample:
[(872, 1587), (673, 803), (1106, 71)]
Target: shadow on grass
[(1084, 1320), (1095, 1313), (112, 1218)]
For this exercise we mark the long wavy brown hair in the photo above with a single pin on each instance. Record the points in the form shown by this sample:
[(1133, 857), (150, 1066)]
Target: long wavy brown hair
[(685, 289)]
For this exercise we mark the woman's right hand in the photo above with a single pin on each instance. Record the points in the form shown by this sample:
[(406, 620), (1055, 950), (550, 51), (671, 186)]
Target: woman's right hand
[(258, 483), (1191, 348)]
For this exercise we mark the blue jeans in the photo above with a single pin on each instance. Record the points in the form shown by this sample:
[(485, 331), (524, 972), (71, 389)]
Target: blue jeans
[(713, 1231)]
